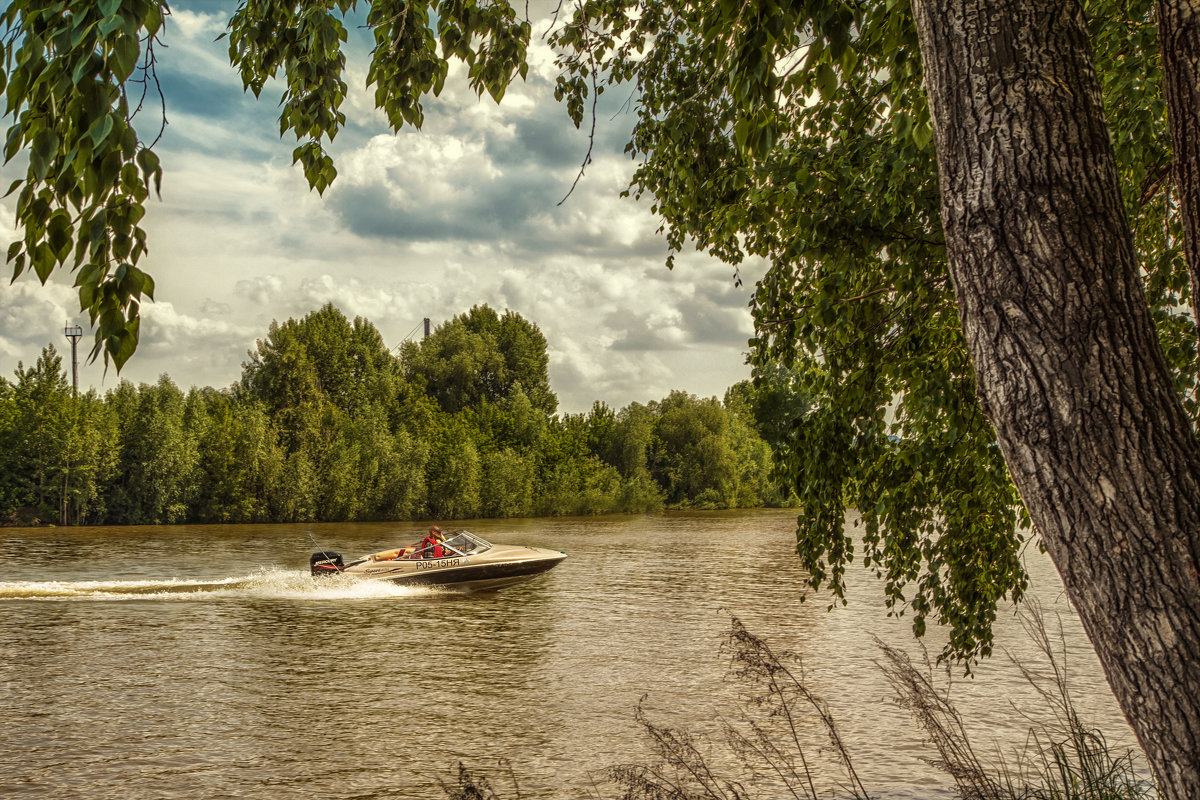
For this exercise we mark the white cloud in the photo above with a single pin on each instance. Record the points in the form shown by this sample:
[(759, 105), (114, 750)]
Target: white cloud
[(420, 224), (196, 25), (261, 289), (33, 316)]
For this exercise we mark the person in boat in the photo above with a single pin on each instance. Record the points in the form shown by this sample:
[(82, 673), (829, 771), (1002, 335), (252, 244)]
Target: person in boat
[(431, 545)]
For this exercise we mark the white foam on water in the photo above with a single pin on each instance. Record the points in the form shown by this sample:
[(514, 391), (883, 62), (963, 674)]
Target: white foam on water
[(297, 585), (265, 584)]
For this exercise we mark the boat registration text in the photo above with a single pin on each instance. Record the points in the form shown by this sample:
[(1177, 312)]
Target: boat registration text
[(439, 563)]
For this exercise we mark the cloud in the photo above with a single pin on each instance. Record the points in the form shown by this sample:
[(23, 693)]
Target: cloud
[(196, 25), (418, 224), (33, 316), (716, 314), (261, 290), (414, 187), (546, 139), (213, 308), (166, 331)]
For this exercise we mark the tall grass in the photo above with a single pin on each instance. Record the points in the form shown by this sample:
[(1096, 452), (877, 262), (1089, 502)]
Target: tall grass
[(1068, 760), (767, 753), (468, 785), (1063, 759)]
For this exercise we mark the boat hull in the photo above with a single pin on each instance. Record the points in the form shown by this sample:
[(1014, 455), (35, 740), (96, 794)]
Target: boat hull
[(500, 566)]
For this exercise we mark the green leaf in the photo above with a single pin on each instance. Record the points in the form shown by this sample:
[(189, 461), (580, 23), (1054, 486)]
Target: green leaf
[(43, 261), (110, 24), (100, 130), (126, 341), (126, 53), (147, 159), (741, 132), (13, 143), (153, 19), (42, 153), (827, 81), (922, 133), (59, 230)]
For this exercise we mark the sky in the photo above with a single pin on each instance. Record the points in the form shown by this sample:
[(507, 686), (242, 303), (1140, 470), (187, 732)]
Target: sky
[(418, 224)]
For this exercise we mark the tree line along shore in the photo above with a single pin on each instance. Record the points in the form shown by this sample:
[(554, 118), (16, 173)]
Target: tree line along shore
[(327, 424)]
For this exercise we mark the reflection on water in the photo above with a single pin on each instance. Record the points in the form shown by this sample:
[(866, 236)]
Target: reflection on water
[(204, 662)]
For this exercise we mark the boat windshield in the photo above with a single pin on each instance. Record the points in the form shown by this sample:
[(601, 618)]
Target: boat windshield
[(465, 542)]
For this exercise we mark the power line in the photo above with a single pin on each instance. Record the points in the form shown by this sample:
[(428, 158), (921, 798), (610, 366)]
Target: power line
[(408, 336)]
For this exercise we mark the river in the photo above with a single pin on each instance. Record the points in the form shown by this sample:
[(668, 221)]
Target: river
[(203, 662)]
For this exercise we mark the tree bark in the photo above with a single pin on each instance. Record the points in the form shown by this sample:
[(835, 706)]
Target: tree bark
[(1179, 37), (1068, 364)]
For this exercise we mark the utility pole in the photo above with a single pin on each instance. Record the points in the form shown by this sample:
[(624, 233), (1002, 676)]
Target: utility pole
[(74, 333)]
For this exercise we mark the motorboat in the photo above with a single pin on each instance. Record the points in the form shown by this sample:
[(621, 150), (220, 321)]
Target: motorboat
[(461, 561)]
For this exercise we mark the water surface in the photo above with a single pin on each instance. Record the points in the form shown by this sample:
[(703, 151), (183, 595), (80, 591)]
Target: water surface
[(203, 662)]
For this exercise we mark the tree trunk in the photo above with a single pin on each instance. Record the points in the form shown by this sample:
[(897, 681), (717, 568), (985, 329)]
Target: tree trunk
[(1068, 364), (1179, 36)]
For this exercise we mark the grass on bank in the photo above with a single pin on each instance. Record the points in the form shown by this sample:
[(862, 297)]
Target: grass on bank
[(764, 757)]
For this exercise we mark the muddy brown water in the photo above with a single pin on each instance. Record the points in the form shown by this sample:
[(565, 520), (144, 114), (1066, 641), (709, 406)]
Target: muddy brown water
[(203, 662)]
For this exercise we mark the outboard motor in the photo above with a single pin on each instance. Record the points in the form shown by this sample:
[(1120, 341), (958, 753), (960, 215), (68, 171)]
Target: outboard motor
[(326, 562)]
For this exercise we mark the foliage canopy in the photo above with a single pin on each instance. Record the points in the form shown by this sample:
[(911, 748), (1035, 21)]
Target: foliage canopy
[(325, 426), (800, 134), (482, 356)]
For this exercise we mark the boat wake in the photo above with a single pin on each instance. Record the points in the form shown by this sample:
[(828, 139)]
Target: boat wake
[(267, 584)]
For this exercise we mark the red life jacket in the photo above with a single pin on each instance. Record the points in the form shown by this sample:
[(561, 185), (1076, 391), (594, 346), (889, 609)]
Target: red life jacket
[(431, 548)]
